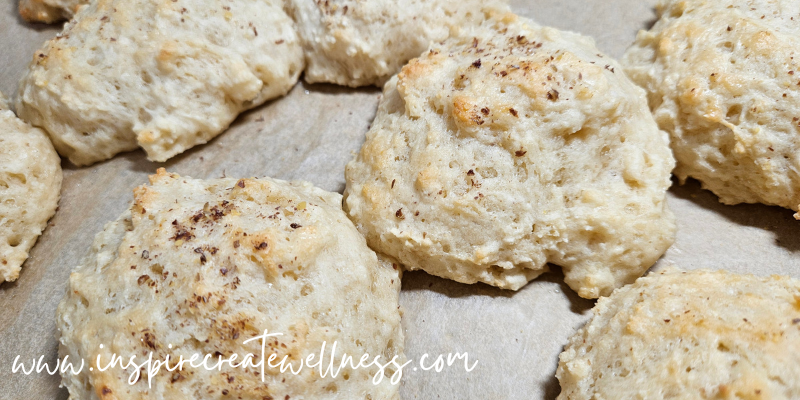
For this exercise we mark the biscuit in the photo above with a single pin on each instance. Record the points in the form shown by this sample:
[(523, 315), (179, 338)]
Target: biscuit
[(48, 11), (497, 152), (357, 43), (689, 335), (162, 75), (723, 80), (198, 267), (30, 185)]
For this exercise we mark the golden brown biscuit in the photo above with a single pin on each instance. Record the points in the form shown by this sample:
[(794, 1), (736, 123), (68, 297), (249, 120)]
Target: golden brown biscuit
[(199, 267), (358, 42), (30, 185), (723, 78), (162, 75), (48, 11), (689, 335), (499, 151)]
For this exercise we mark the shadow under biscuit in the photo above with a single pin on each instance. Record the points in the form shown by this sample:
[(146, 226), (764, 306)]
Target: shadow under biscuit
[(552, 388), (329, 88), (647, 25), (779, 221), (419, 281)]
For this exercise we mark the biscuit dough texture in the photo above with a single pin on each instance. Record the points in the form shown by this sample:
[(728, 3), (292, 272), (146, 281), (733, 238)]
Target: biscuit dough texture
[(497, 152), (30, 185), (163, 75), (359, 42), (689, 335), (199, 267), (48, 11), (723, 78)]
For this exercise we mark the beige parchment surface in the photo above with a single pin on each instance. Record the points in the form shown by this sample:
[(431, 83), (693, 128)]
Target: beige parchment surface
[(311, 134)]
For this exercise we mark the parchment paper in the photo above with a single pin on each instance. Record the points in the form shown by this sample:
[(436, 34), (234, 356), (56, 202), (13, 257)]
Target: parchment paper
[(311, 134)]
